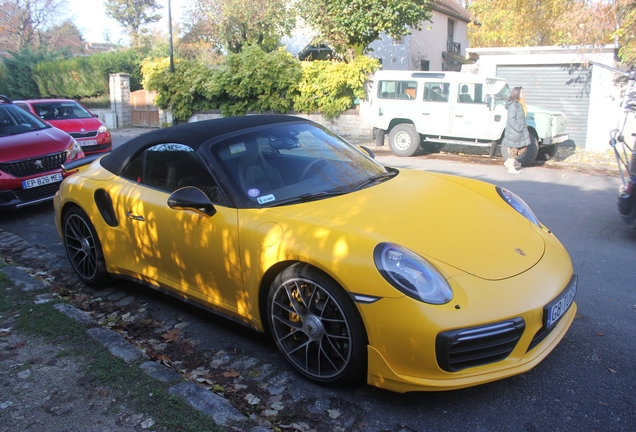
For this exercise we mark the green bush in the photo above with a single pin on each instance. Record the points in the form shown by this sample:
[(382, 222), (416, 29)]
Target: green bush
[(252, 81), (82, 77), (255, 81), (330, 87)]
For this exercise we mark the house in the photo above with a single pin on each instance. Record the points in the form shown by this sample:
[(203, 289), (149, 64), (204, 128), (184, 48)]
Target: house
[(440, 45)]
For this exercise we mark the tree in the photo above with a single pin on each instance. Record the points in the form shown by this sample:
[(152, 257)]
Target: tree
[(351, 25), (537, 23), (232, 24), (23, 22), (133, 15)]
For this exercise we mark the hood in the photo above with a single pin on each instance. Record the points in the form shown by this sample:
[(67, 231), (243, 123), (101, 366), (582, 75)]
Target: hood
[(541, 110), (33, 144), (460, 222), (76, 125)]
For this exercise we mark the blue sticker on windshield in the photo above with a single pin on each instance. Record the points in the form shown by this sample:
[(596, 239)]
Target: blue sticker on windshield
[(253, 193), (265, 199)]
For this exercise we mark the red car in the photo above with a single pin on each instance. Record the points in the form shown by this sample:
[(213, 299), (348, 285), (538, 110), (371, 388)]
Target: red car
[(31, 155), (74, 119)]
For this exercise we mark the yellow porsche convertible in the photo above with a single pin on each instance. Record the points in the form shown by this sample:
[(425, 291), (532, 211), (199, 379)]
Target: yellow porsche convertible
[(417, 280)]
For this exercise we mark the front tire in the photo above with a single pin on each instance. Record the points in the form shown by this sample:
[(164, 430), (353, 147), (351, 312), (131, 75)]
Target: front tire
[(316, 326), (404, 140), (83, 248), (528, 155)]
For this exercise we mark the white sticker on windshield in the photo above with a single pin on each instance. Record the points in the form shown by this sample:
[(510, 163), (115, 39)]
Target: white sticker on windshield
[(265, 199), (237, 148)]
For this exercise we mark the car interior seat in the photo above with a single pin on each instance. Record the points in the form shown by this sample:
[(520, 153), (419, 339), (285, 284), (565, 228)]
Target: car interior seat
[(464, 96), (254, 175)]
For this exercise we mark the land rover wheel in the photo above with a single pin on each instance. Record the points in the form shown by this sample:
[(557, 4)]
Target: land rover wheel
[(547, 152), (526, 155), (404, 140)]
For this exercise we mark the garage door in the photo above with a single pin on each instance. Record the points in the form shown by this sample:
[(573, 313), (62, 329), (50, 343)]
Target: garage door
[(564, 88)]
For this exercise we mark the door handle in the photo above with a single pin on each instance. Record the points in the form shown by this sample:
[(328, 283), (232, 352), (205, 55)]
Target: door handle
[(426, 113), (459, 115), (129, 215)]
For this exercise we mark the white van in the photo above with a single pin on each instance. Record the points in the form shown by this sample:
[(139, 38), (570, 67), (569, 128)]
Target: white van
[(433, 109)]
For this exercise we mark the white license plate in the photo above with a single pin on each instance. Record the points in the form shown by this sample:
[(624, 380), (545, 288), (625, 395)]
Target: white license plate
[(557, 308), (87, 143), (41, 181)]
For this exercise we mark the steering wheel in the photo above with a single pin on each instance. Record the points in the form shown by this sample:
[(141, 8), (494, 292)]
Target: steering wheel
[(315, 165)]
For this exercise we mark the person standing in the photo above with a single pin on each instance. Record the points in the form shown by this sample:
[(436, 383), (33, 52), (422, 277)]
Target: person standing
[(517, 135)]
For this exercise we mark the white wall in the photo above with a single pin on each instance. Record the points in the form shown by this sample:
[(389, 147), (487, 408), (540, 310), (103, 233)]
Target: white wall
[(426, 44)]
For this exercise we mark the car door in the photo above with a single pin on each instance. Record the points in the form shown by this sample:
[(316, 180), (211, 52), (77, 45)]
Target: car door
[(194, 255), (471, 115), (434, 110)]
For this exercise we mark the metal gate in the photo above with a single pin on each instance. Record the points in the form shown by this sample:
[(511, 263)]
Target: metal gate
[(564, 88), (144, 111)]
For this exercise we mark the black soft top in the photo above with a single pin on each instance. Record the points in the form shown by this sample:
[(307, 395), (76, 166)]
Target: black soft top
[(190, 134)]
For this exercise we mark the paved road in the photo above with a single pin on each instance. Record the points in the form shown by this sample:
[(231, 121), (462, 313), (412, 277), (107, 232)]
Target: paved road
[(588, 383)]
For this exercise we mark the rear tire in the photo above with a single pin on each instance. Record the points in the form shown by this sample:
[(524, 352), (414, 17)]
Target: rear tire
[(83, 248), (529, 154), (404, 140)]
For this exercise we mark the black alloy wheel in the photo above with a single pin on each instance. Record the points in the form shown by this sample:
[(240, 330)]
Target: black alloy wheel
[(83, 248), (316, 326)]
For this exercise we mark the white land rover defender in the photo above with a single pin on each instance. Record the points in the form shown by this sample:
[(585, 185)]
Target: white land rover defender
[(432, 109)]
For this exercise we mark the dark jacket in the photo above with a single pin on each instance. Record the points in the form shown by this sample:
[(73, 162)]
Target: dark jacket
[(516, 135)]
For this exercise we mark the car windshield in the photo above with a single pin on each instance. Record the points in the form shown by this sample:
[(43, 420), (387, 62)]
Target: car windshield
[(60, 110), (294, 163), (15, 120)]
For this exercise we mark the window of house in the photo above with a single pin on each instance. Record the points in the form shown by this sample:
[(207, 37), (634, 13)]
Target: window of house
[(425, 65)]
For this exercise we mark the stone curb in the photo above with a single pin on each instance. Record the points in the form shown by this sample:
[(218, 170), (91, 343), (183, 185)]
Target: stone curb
[(194, 395)]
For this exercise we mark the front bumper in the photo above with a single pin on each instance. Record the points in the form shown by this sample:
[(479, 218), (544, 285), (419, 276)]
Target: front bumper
[(558, 139), (13, 199)]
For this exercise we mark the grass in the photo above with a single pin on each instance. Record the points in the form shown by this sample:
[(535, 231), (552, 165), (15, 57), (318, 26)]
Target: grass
[(127, 383)]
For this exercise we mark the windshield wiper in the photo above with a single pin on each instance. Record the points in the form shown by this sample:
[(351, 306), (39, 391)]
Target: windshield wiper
[(376, 179), (306, 198)]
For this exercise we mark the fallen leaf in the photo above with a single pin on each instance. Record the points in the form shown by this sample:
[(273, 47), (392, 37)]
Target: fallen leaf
[(603, 403), (17, 345), (600, 334), (611, 370), (5, 331), (231, 374), (171, 335), (251, 399), (334, 414)]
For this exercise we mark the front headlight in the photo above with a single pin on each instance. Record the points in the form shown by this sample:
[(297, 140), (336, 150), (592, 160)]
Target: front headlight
[(102, 129), (518, 204), (75, 151), (411, 274)]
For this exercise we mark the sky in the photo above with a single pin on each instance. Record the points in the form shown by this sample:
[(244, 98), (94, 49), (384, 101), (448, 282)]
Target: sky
[(90, 18)]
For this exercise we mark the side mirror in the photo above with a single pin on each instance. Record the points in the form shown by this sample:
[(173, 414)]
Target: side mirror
[(191, 198)]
